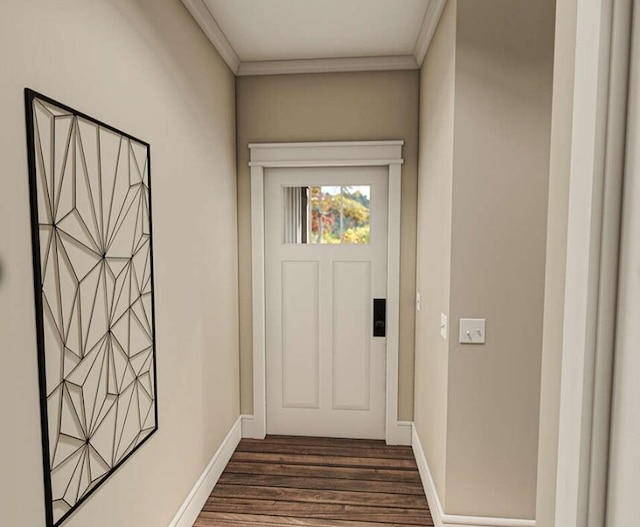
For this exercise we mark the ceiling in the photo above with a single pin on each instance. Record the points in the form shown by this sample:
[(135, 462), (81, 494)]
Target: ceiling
[(300, 36)]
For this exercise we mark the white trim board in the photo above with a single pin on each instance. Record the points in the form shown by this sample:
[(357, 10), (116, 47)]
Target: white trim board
[(214, 33), (314, 154), (193, 504), (344, 153), (595, 188), (440, 518), (283, 67), (429, 24), (200, 12), (327, 144)]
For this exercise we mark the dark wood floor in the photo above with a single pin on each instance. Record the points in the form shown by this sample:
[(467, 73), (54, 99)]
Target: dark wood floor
[(315, 482)]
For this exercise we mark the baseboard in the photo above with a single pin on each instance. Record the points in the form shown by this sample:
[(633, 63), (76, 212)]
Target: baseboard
[(440, 519), (196, 499), (427, 480), (400, 434), (251, 428)]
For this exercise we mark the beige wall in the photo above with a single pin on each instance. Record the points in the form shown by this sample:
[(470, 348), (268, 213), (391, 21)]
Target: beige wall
[(435, 179), (502, 116), (330, 107), (560, 160), (504, 67), (144, 67)]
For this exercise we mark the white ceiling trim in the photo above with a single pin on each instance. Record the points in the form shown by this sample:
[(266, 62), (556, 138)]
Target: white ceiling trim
[(428, 29), (212, 30), (205, 20), (283, 67)]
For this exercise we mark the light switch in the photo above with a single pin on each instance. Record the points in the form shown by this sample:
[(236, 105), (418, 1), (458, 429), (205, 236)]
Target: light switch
[(472, 331), (418, 302), (443, 326)]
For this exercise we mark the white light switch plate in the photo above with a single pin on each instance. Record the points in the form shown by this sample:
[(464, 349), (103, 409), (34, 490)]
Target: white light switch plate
[(443, 326), (418, 302), (472, 331)]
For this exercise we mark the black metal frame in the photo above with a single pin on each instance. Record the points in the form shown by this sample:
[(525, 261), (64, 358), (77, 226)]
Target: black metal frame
[(30, 95)]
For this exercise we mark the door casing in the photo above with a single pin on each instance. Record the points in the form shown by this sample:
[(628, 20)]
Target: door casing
[(603, 33), (386, 154)]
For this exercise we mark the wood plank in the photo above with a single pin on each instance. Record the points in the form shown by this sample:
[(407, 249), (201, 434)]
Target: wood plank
[(320, 511), (378, 452), (372, 499), (317, 482), (282, 469), (224, 519), (230, 478), (303, 459)]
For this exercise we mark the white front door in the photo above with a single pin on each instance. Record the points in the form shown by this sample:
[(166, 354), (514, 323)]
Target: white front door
[(325, 263)]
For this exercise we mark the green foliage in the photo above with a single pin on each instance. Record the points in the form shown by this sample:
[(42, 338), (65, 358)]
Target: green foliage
[(332, 213)]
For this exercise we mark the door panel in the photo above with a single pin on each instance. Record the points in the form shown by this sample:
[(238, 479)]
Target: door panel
[(325, 261), (300, 354), (351, 335)]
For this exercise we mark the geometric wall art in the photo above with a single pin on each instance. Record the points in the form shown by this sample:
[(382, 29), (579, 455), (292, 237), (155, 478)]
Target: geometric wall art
[(90, 195)]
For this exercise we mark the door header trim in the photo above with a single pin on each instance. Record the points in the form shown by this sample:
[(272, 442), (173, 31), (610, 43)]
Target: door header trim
[(332, 144), (314, 154), (323, 154)]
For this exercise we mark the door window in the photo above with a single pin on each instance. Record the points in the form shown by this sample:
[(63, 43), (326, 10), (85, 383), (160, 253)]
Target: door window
[(326, 214)]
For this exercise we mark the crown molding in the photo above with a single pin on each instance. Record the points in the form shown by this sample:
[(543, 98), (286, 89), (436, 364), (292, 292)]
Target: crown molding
[(283, 67), (214, 33), (208, 24), (429, 24)]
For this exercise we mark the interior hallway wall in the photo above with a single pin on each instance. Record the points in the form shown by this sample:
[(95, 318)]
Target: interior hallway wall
[(435, 186), (498, 216), (145, 67), (504, 80), (330, 107)]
